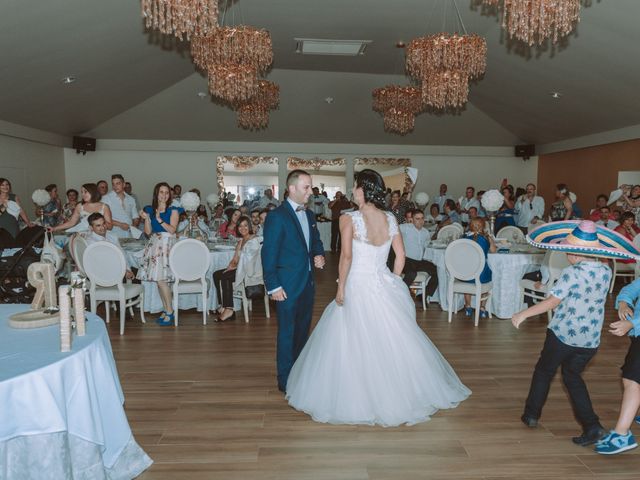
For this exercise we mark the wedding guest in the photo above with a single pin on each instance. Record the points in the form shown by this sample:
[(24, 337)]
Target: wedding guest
[(505, 215), (123, 208), (177, 192), (562, 208), (469, 201), (52, 211), (242, 263), (69, 207), (442, 197), (450, 214), (473, 214), (228, 228), (160, 224), (103, 187), (477, 233), (218, 213), (605, 220), (573, 335), (129, 191), (255, 221), (98, 233), (628, 228), (601, 201), (416, 239), (10, 210), (620, 439), (434, 216), (631, 200), (481, 211), (339, 204), (529, 208), (397, 208), (268, 199), (408, 216), (90, 204), (317, 203)]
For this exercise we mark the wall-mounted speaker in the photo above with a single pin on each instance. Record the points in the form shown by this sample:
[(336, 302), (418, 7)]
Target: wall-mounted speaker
[(525, 151), (84, 144)]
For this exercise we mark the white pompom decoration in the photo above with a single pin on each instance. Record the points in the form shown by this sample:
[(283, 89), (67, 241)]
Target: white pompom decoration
[(41, 197), (492, 200), (421, 198), (213, 199), (190, 201), (573, 197)]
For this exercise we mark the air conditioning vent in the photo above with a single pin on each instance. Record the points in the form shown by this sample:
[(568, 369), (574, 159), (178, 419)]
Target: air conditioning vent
[(315, 46)]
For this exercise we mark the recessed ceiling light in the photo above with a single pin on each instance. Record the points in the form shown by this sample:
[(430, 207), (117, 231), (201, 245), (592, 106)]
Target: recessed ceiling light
[(68, 80), (202, 95), (329, 100), (555, 94)]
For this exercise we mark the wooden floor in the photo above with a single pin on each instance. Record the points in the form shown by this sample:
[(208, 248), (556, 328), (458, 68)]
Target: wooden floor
[(202, 401)]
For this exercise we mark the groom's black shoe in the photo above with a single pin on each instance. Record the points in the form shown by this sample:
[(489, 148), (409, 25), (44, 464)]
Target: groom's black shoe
[(590, 437), (529, 421), (282, 388)]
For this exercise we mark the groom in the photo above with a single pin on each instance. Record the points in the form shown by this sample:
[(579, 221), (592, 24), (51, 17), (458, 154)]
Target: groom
[(291, 248)]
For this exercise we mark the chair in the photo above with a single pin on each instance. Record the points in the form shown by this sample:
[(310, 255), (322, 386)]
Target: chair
[(555, 262), (247, 305), (452, 231), (189, 261), (622, 270), (420, 285), (464, 260), (105, 266), (78, 245), (511, 233)]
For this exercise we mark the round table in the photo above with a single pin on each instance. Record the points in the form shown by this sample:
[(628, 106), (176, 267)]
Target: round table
[(62, 412), (507, 270)]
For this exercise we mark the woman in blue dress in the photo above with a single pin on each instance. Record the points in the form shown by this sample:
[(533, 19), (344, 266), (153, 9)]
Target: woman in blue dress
[(478, 234), (160, 224), (507, 212)]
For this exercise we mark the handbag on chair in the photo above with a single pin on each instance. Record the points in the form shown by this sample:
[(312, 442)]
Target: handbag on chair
[(253, 292)]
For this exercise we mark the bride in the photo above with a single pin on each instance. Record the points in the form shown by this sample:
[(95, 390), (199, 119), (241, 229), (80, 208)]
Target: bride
[(367, 361)]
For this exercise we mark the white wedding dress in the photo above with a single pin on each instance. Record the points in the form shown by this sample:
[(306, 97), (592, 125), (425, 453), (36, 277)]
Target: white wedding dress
[(368, 362)]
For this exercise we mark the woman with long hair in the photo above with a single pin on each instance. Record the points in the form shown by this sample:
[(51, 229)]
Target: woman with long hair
[(90, 204), (10, 210), (160, 224), (477, 232), (562, 208), (367, 361), (505, 215), (228, 228)]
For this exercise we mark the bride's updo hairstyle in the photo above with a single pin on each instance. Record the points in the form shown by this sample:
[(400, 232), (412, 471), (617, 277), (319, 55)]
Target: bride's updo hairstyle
[(373, 187)]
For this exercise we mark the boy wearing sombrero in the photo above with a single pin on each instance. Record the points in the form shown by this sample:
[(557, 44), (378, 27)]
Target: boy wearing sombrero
[(578, 299)]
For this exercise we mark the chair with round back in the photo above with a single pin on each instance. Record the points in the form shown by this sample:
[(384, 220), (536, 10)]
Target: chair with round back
[(554, 262), (105, 266), (511, 233), (189, 261), (464, 260), (78, 246), (449, 232)]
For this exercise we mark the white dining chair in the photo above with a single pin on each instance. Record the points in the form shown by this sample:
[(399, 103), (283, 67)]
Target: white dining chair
[(189, 261), (622, 270), (78, 246), (450, 232), (247, 304), (420, 285), (555, 262), (464, 260), (511, 233), (105, 266)]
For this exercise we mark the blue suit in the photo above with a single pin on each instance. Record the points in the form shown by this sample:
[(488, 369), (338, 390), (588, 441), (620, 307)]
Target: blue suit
[(287, 262)]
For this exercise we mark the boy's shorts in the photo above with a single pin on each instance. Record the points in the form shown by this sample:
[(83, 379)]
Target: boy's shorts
[(631, 367)]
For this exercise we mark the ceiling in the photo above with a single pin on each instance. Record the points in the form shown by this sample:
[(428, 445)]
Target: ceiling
[(133, 84)]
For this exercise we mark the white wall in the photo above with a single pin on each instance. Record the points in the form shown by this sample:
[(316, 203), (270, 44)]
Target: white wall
[(30, 165), (192, 164)]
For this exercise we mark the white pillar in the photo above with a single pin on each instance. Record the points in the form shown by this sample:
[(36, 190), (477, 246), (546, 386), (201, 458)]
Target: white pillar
[(282, 176)]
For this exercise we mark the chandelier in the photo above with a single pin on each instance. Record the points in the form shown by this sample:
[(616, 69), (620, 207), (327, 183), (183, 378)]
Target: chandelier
[(399, 106), (445, 89), (232, 83), (253, 114), (533, 21), (182, 18)]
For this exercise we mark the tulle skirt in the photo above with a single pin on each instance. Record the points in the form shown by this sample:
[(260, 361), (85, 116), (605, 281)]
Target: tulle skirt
[(368, 362), (154, 266)]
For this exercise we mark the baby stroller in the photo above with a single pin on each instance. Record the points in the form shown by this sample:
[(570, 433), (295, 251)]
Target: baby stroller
[(14, 285)]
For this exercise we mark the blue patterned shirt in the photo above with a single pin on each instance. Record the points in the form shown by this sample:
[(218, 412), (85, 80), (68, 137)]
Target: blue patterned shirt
[(583, 289)]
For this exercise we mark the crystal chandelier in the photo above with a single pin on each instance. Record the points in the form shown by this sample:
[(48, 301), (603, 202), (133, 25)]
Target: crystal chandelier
[(445, 89), (399, 106), (253, 117), (533, 21), (232, 83), (253, 114), (182, 18)]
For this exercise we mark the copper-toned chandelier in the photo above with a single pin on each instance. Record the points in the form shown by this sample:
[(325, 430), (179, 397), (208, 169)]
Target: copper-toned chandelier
[(253, 114), (182, 18), (399, 106), (534, 21)]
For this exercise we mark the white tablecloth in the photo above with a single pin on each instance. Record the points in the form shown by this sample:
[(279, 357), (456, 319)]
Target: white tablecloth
[(219, 259), (61, 414), (324, 228), (507, 270)]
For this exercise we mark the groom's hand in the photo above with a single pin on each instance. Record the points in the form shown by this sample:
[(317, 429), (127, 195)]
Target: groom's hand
[(318, 261), (279, 296)]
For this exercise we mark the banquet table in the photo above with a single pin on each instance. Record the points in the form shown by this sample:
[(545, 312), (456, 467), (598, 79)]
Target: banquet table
[(61, 414), (507, 270), (324, 228), (219, 258)]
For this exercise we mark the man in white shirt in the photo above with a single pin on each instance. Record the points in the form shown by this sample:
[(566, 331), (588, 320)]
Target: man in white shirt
[(442, 198), (123, 208), (98, 233), (416, 238), (606, 220), (267, 199), (129, 191), (529, 208), (317, 203), (467, 203)]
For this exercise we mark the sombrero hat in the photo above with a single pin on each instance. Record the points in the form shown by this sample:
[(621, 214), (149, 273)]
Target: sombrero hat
[(583, 238)]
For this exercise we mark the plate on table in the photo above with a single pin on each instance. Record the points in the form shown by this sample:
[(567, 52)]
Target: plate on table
[(438, 244), (221, 247)]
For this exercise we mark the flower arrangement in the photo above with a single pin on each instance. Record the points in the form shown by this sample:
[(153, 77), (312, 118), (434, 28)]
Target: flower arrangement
[(213, 199), (421, 198), (190, 201), (492, 200), (40, 197)]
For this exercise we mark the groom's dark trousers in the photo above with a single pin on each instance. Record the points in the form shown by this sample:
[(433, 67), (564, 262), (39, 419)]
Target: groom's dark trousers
[(287, 262)]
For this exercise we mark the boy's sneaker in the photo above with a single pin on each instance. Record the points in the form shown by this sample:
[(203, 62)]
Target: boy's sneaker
[(615, 443)]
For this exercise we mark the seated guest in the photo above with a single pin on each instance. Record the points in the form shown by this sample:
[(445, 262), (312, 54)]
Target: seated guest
[(69, 207), (90, 204), (10, 210), (529, 208), (52, 211), (469, 201), (442, 197), (416, 238), (268, 199), (481, 211), (473, 214), (123, 208), (408, 216), (562, 208), (506, 214), (246, 250), (601, 201), (628, 228), (98, 233), (397, 208), (201, 213), (103, 187), (434, 215), (605, 220), (228, 228), (177, 192), (256, 226), (450, 214), (477, 233)]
